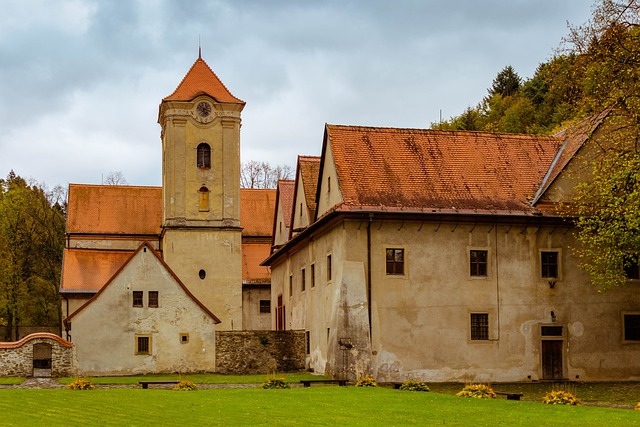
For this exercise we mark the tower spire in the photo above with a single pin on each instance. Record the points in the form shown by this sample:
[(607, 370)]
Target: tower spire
[(199, 48)]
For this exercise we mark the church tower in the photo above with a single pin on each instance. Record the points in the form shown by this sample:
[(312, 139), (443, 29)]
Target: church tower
[(201, 237)]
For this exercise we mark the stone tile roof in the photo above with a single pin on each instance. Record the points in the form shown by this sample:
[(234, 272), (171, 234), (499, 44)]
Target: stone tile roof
[(421, 169), (201, 80), (35, 336), (256, 211), (114, 209), (309, 169), (252, 255)]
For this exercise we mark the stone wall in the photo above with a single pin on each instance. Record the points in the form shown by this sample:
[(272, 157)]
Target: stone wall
[(16, 358), (260, 352)]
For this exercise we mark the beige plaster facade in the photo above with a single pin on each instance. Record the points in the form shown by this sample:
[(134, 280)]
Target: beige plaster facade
[(175, 335)]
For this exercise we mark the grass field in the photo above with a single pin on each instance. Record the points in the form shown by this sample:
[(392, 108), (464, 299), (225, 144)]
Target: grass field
[(309, 406)]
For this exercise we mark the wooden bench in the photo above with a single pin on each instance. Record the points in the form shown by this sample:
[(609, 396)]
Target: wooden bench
[(395, 385), (510, 396), (145, 384), (307, 383)]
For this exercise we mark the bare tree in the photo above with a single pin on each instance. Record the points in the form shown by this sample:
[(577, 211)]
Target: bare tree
[(115, 178), (254, 174)]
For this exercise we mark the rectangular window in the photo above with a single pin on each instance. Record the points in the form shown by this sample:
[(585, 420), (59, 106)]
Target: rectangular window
[(549, 264), (290, 285), (479, 326), (137, 298), (265, 306), (303, 280), (632, 266), (328, 268), (153, 299), (143, 344), (184, 338), (395, 261), (632, 327), (478, 263), (313, 275), (308, 339)]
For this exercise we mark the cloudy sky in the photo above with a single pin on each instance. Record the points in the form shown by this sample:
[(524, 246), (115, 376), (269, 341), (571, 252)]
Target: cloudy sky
[(81, 80)]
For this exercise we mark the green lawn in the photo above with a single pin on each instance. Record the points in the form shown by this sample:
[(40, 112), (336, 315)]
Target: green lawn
[(11, 380), (309, 406)]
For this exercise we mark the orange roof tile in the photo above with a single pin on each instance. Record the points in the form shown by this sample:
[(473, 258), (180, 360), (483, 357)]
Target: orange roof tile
[(310, 169), (252, 255), (286, 189), (89, 270), (201, 80), (114, 209), (386, 168), (256, 211), (35, 336)]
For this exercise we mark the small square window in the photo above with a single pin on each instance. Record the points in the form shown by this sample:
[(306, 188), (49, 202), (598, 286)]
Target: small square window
[(395, 261), (184, 338), (632, 266), (478, 263), (303, 280), (137, 298), (479, 326), (549, 264), (143, 344), (313, 275), (153, 299), (265, 306), (328, 268), (632, 327)]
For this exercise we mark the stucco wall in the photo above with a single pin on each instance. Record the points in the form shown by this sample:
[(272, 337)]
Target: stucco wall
[(259, 352), (252, 319), (105, 331), (421, 320), (16, 358)]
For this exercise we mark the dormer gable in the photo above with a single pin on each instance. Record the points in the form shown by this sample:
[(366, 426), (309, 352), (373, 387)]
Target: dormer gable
[(304, 204)]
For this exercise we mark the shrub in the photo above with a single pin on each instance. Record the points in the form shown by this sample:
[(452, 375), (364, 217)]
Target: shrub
[(81, 385), (560, 397), (275, 383), (366, 382), (185, 385), (637, 408), (412, 385), (477, 391)]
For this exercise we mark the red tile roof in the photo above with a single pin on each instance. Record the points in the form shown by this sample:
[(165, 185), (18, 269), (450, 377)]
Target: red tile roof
[(401, 169), (201, 80), (256, 211), (310, 169), (89, 270), (252, 255), (114, 209), (286, 189)]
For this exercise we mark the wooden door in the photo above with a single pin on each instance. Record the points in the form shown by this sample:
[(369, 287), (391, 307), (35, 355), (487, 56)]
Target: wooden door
[(552, 366)]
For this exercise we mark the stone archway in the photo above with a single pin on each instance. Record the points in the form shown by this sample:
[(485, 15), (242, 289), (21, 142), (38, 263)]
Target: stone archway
[(42, 359)]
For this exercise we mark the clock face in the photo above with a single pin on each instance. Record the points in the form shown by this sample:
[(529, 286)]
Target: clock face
[(204, 109)]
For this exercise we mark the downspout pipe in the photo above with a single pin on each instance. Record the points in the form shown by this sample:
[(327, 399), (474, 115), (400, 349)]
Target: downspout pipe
[(369, 272)]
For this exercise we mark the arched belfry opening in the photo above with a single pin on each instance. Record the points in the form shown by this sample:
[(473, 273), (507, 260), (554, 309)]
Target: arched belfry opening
[(203, 156)]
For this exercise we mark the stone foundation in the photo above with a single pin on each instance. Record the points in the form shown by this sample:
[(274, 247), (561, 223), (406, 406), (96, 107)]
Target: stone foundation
[(260, 352)]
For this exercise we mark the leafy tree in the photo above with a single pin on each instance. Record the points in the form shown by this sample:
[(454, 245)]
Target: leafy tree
[(608, 204), (31, 244), (254, 174)]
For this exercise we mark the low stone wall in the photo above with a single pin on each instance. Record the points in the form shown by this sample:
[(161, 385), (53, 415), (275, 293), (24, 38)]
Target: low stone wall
[(260, 352), (16, 358)]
